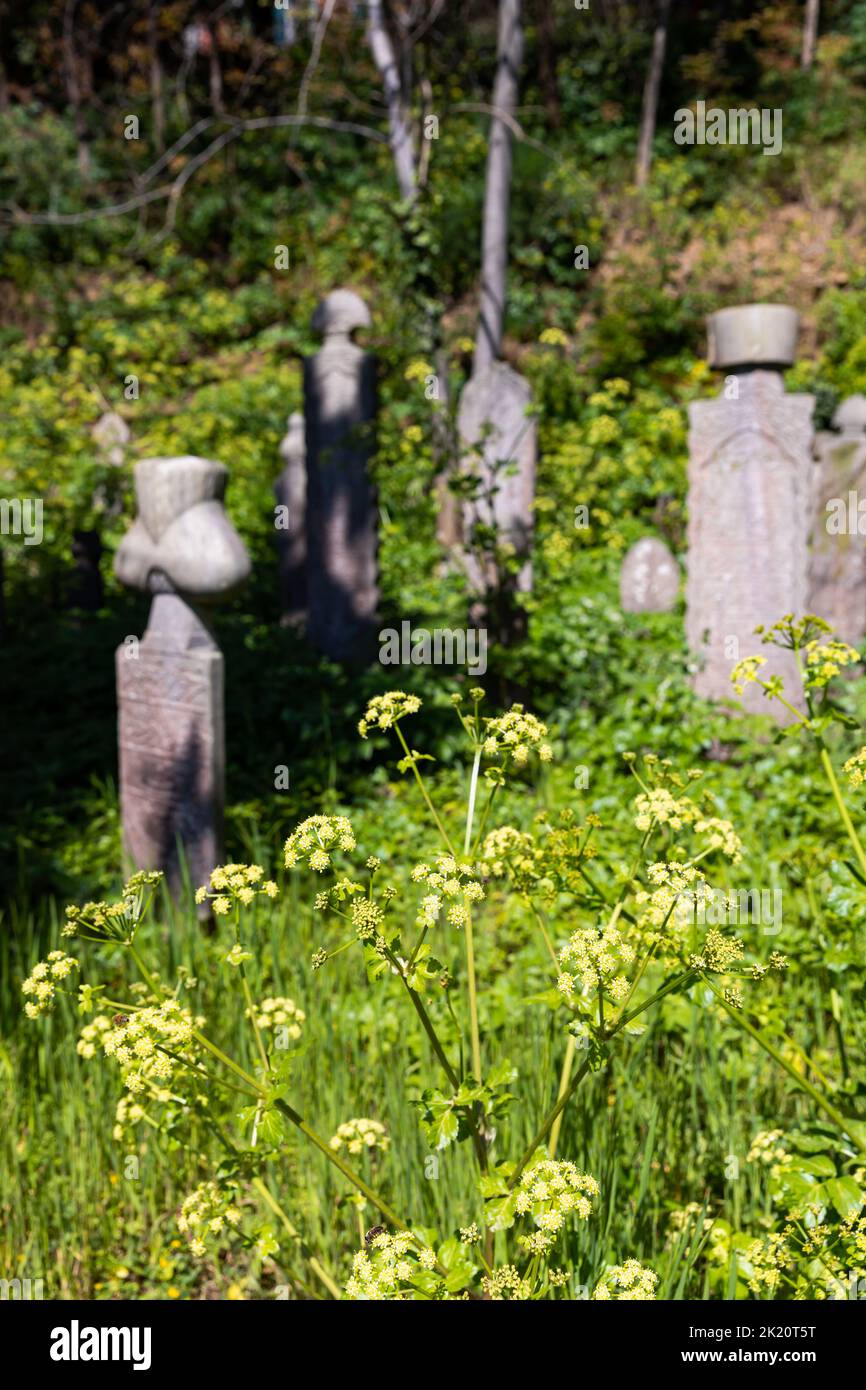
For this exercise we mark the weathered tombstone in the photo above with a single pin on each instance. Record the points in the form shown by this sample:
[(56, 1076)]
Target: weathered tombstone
[(342, 527), (183, 550), (85, 588), (837, 562), (498, 445), (111, 434), (290, 490), (649, 581), (750, 486)]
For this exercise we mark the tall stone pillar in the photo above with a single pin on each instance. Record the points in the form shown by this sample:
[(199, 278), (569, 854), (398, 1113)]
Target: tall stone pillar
[(498, 446), (342, 524), (183, 550), (290, 490), (750, 487), (837, 572)]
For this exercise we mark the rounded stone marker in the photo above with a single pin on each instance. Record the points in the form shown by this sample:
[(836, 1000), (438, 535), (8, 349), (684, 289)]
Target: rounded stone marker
[(753, 335), (649, 581)]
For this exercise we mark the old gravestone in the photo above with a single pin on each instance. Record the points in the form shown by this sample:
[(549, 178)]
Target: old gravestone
[(837, 562), (342, 525), (750, 486), (649, 581), (290, 490), (499, 447), (183, 550)]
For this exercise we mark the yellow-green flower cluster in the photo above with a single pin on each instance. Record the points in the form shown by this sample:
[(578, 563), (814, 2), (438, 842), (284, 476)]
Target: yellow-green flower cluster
[(91, 1036), (358, 1135), (40, 987), (674, 892), (383, 711), (205, 1215), (451, 883), (593, 956), (235, 883), (117, 920), (506, 1285), (516, 734), (281, 1013), (659, 807), (550, 1191), (746, 672), (854, 769), (315, 840), (506, 848), (140, 1043), (765, 1148), (719, 953), (824, 660), (385, 1271), (721, 835), (630, 1281)]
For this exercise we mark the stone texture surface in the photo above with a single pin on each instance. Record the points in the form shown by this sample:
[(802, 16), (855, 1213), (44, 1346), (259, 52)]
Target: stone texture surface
[(837, 560), (750, 487), (171, 744), (499, 443), (112, 434), (342, 522), (649, 581), (290, 490), (183, 549)]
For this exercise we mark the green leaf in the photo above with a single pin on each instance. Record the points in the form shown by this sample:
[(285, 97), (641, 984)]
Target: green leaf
[(845, 1196)]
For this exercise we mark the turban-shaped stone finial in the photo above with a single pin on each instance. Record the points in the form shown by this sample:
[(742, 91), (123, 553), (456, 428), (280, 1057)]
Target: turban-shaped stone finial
[(182, 538)]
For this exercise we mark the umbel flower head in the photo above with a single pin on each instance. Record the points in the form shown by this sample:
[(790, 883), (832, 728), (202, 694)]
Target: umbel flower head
[(383, 711), (235, 883), (592, 957), (205, 1215), (358, 1135), (315, 840), (516, 734), (385, 1271), (629, 1281), (451, 883), (141, 1043), (115, 921), (280, 1013), (40, 987), (854, 769), (550, 1191)]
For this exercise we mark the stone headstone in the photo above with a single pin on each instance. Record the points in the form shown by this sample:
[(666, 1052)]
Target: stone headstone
[(183, 550), (86, 587), (750, 488), (498, 440), (342, 523), (649, 581), (111, 434), (290, 490), (837, 562)]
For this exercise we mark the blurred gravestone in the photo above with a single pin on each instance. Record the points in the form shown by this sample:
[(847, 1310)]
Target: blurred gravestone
[(750, 488), (112, 434), (498, 447), (837, 570), (342, 527), (183, 550), (649, 580), (290, 490)]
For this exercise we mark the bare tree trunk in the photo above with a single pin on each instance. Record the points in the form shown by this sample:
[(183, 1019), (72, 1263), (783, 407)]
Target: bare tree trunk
[(400, 132), (73, 88), (216, 74), (547, 61), (810, 33), (494, 236), (156, 89), (651, 96)]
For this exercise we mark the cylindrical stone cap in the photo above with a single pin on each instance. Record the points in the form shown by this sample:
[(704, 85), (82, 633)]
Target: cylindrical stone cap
[(753, 335)]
